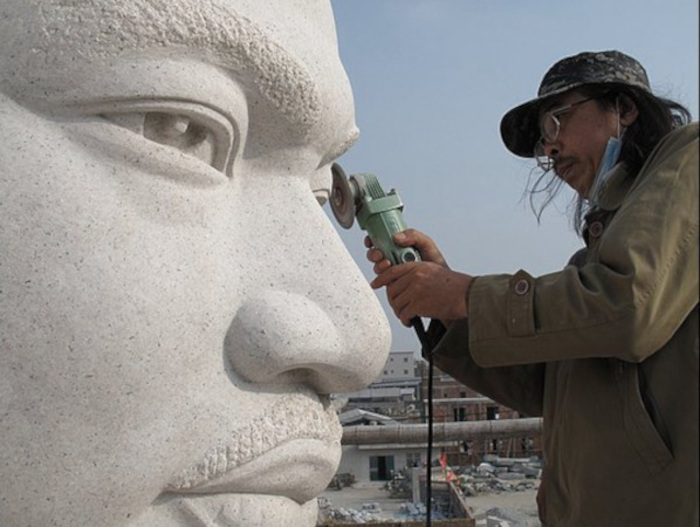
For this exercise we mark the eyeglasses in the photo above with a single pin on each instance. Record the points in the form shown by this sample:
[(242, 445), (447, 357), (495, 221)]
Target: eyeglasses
[(549, 131)]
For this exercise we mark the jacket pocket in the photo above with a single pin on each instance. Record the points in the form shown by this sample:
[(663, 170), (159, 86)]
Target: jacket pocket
[(645, 439)]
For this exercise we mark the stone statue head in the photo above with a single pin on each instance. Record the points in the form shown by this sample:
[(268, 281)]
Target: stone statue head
[(175, 305)]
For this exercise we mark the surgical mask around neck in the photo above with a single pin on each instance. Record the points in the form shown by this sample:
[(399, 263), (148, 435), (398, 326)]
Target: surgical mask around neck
[(608, 161)]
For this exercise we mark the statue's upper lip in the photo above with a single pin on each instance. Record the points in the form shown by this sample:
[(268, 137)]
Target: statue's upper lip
[(292, 450)]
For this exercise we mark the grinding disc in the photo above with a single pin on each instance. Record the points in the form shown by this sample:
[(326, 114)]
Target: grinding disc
[(342, 199)]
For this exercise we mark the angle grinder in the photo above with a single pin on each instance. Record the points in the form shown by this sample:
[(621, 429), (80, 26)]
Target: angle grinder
[(378, 213)]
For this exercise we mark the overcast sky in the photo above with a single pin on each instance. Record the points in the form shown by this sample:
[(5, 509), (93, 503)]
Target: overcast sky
[(432, 79)]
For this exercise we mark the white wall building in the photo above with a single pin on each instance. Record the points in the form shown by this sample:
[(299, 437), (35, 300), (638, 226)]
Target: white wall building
[(375, 462), (401, 365)]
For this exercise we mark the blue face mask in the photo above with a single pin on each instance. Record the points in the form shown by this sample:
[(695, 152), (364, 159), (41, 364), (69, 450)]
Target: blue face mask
[(608, 161)]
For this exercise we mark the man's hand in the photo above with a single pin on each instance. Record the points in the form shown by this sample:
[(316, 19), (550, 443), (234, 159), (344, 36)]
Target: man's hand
[(427, 288), (408, 238)]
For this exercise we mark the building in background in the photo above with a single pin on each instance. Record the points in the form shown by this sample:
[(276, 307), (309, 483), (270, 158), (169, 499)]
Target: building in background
[(454, 402), (400, 396), (395, 394), (379, 462)]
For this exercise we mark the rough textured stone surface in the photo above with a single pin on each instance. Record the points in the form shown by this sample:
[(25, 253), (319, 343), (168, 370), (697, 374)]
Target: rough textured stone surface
[(174, 303)]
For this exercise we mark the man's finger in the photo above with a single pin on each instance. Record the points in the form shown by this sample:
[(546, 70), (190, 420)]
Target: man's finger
[(391, 274)]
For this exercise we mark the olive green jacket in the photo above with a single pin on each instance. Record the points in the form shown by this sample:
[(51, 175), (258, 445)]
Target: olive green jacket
[(606, 350)]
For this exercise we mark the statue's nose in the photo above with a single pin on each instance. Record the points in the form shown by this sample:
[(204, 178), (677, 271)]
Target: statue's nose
[(285, 338)]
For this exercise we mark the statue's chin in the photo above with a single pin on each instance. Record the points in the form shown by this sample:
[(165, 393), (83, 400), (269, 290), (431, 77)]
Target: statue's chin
[(229, 510)]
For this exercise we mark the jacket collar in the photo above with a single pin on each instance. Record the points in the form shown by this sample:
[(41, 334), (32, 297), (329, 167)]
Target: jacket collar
[(612, 192)]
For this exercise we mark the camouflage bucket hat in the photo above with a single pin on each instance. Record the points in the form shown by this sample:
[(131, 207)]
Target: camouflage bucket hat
[(520, 126)]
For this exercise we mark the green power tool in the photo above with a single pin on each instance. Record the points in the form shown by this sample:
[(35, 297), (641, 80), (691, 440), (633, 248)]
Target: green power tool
[(378, 213)]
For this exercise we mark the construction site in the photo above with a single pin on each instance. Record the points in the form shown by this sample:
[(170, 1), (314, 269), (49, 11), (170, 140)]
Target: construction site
[(484, 461), (486, 496)]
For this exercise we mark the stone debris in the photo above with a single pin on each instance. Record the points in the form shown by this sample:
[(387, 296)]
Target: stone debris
[(496, 474), (495, 521), (493, 475), (370, 513)]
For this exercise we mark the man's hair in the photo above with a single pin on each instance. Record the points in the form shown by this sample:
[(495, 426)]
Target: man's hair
[(657, 117)]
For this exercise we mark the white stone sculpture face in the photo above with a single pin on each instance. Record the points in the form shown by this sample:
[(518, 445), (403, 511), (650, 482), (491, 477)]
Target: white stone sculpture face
[(174, 302)]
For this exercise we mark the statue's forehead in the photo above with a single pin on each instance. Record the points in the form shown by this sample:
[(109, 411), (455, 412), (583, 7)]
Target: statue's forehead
[(260, 40)]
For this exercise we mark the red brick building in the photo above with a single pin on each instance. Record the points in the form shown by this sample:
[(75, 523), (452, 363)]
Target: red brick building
[(454, 402)]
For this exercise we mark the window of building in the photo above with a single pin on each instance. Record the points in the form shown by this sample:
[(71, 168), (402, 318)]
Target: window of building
[(381, 468)]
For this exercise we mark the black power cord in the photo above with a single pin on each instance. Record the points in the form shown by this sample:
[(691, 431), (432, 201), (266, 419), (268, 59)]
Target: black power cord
[(417, 324), (428, 475)]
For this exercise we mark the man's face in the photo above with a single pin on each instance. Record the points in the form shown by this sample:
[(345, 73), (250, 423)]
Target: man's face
[(583, 134), (173, 299)]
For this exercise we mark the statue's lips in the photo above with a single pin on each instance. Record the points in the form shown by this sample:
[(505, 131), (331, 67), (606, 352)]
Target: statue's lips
[(292, 451), (300, 470)]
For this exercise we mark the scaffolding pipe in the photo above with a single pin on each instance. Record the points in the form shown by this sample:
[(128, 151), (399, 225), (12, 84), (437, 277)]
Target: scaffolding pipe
[(463, 400), (459, 431)]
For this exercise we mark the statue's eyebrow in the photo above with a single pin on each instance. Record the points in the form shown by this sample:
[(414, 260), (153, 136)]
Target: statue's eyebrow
[(206, 30)]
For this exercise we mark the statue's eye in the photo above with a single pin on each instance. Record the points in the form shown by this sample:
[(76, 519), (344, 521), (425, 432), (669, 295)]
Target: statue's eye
[(177, 131), (202, 134), (180, 132)]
